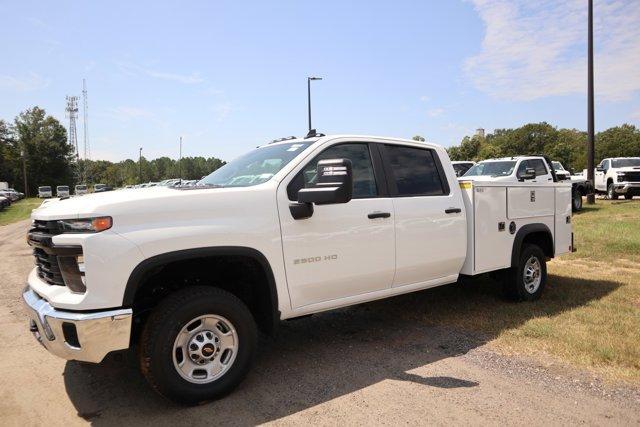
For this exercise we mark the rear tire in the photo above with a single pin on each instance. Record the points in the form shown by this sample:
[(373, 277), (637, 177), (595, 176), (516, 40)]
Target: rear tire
[(527, 280), (611, 192), (628, 196), (198, 345), (576, 202)]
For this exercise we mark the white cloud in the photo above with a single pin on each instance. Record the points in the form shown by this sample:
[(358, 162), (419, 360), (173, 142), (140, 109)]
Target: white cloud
[(133, 69), (435, 112), (424, 98), (29, 82), (223, 111), (535, 49)]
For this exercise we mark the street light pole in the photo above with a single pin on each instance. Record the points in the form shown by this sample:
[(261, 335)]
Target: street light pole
[(591, 198), (140, 166), (309, 96), (180, 164), (24, 173)]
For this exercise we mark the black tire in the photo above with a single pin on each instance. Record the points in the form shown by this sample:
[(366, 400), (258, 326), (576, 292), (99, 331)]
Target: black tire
[(628, 196), (516, 288), (161, 330), (576, 202), (611, 192)]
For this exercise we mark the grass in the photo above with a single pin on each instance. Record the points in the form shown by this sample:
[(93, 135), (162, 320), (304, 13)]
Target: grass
[(588, 316), (603, 332), (19, 210)]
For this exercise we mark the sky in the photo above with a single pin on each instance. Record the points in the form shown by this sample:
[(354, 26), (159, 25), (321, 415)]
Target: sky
[(230, 75)]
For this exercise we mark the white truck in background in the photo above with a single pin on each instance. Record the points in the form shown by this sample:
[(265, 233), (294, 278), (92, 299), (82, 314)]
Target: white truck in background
[(619, 176), (294, 227)]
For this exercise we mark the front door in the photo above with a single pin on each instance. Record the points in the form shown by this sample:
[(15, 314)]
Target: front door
[(342, 250), (599, 176)]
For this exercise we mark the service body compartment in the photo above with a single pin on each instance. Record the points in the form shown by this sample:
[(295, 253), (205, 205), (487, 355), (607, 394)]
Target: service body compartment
[(497, 210)]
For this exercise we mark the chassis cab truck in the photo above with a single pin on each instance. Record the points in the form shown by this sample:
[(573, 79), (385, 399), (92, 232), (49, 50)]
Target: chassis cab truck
[(189, 275)]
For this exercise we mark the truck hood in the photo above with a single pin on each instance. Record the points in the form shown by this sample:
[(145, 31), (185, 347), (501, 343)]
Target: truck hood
[(126, 202)]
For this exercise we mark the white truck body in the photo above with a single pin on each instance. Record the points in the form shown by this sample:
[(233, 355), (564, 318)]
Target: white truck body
[(391, 241), (44, 192), (618, 176)]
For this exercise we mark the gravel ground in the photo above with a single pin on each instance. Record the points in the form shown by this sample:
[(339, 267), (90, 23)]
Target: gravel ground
[(370, 364)]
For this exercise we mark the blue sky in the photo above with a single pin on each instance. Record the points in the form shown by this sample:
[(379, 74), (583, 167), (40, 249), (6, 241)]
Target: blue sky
[(229, 75)]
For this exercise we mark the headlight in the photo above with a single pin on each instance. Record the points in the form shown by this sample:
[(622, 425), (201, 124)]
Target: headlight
[(86, 225)]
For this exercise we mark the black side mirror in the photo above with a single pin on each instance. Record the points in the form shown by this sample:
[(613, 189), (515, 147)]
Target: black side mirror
[(563, 177), (529, 173), (333, 185), (599, 169)]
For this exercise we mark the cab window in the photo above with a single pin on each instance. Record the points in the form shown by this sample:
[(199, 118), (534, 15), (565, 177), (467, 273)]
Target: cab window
[(414, 171)]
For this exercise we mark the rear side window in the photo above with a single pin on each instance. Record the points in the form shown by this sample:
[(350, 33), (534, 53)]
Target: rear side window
[(414, 171)]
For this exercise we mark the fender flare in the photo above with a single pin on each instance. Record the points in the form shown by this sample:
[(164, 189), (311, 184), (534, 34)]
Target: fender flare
[(147, 267), (523, 232)]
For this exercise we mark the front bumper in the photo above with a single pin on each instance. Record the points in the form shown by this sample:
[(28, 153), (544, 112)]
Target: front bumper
[(86, 337), (627, 187)]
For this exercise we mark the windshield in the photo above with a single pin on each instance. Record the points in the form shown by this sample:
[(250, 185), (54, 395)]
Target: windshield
[(625, 163), (500, 168), (557, 166), (99, 186), (255, 167), (63, 188), (81, 187), (44, 188)]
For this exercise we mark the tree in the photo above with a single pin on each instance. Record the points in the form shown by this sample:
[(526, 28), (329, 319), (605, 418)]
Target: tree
[(418, 138), (619, 141), (43, 140)]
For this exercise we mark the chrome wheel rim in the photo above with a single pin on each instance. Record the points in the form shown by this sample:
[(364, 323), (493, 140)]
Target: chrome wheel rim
[(532, 275), (205, 349)]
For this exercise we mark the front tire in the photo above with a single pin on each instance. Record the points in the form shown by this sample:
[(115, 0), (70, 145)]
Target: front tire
[(198, 345), (628, 196), (611, 193), (529, 278)]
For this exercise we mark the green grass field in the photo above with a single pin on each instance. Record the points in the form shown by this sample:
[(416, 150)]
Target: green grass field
[(19, 210)]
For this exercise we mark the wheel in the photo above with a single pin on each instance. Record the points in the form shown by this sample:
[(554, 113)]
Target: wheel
[(197, 345), (529, 277), (611, 193), (628, 196), (576, 202)]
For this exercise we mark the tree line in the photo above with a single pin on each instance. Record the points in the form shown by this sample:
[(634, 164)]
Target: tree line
[(36, 144), (568, 146)]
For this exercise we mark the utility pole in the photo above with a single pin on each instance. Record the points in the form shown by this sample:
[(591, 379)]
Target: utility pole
[(180, 164), (72, 113), (309, 96), (85, 124), (24, 172), (140, 165), (591, 198)]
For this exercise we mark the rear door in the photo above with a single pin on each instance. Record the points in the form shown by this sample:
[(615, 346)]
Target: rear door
[(430, 224)]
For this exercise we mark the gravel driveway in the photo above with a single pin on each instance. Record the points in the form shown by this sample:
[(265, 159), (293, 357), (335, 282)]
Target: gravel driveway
[(370, 364)]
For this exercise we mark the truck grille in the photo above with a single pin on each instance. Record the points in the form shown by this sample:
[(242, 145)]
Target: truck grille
[(631, 176), (48, 268), (40, 235)]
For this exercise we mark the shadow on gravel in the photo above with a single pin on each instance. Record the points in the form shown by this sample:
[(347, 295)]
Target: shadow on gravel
[(316, 359)]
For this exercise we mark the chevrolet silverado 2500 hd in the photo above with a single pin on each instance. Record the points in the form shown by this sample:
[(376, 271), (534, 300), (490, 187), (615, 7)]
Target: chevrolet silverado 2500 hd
[(294, 227), (618, 176)]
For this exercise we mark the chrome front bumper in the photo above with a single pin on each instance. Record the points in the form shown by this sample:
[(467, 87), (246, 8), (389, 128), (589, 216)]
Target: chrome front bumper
[(77, 336), (625, 187)]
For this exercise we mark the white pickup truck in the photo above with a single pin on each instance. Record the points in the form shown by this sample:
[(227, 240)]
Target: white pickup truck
[(295, 227), (618, 176)]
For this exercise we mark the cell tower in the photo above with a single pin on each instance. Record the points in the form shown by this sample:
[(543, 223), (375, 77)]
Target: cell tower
[(72, 113)]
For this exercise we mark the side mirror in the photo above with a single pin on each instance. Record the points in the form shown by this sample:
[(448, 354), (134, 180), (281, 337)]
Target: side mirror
[(334, 185), (529, 173), (563, 177), (599, 169)]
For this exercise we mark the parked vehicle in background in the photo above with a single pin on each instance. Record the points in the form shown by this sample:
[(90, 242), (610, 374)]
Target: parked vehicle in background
[(62, 191), (291, 228), (580, 185), (81, 189), (11, 194), (44, 192), (461, 167), (561, 172), (4, 185), (99, 188), (618, 176), (4, 202), (511, 169)]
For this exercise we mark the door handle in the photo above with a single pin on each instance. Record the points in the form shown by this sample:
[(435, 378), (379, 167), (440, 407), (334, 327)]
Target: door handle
[(453, 210), (374, 215)]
